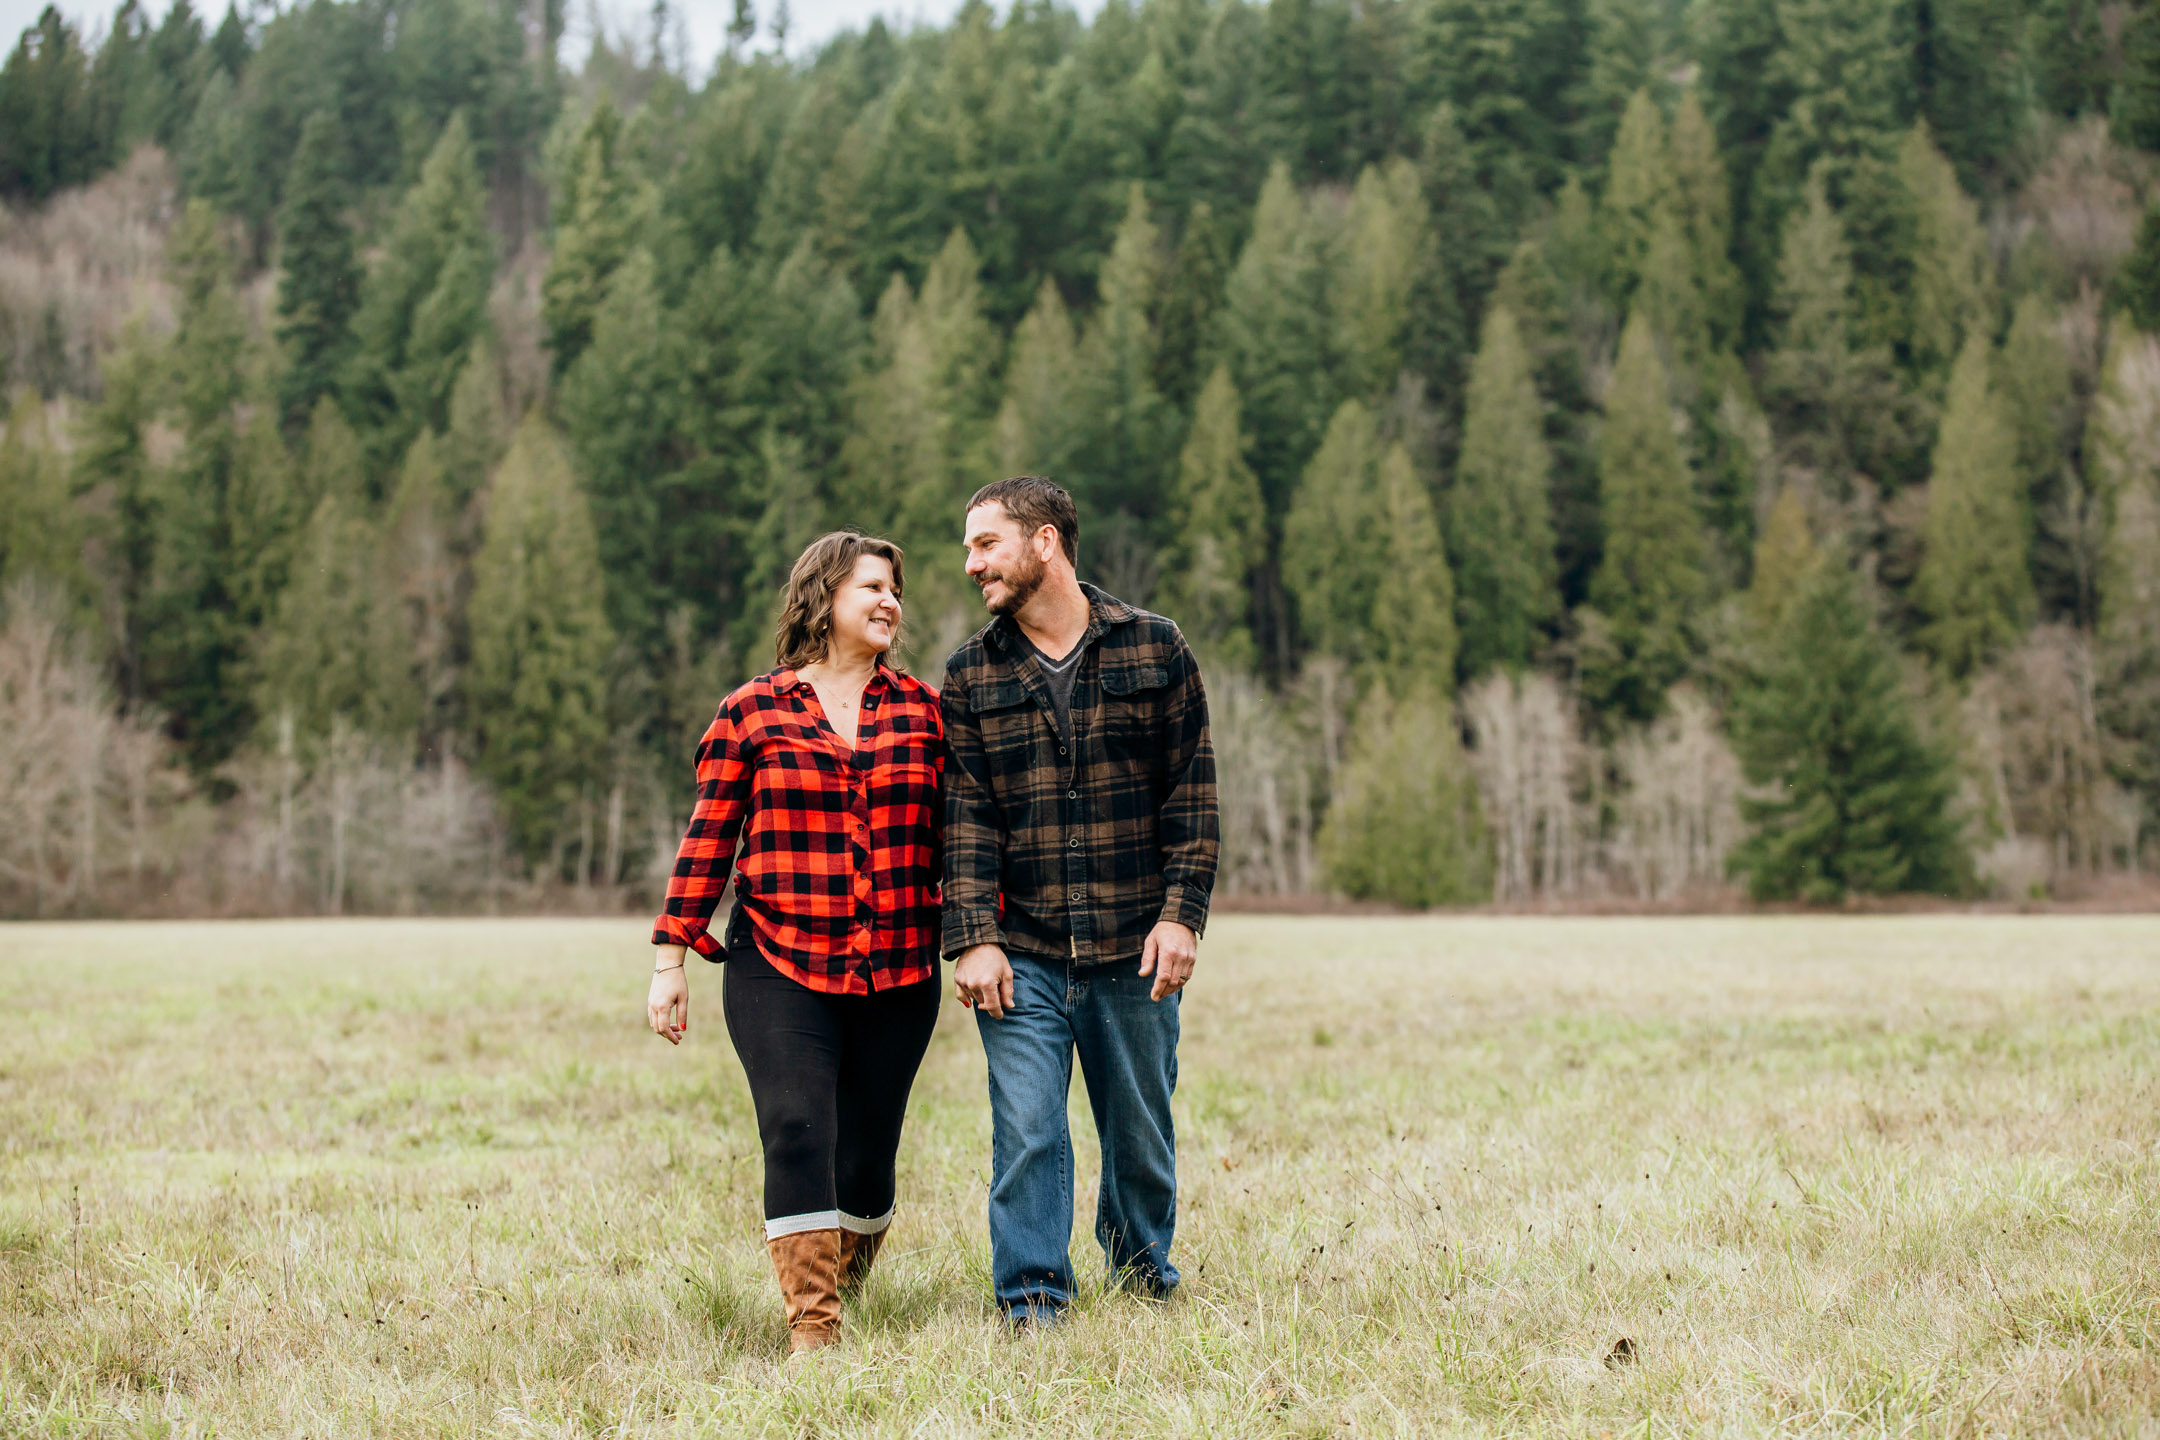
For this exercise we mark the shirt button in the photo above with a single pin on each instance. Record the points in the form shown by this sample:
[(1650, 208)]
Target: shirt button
[(1075, 842), (1061, 749), (1076, 896), (1072, 794)]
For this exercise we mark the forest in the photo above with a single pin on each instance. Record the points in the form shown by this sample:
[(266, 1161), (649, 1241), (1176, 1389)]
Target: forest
[(1602, 450)]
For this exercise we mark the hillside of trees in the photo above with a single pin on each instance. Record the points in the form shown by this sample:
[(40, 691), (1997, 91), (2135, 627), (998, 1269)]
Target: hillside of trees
[(1600, 448)]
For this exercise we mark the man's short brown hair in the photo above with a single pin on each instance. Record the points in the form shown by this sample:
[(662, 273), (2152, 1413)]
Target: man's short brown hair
[(1034, 502)]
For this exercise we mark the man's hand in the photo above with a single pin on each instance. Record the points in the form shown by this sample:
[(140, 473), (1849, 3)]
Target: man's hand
[(1168, 955), (982, 977), (667, 1003)]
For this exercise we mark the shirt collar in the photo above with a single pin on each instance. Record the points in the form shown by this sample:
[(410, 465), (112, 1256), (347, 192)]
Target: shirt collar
[(1104, 611)]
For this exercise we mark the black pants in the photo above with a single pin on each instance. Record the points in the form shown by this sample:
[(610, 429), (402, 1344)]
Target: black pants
[(830, 1076)]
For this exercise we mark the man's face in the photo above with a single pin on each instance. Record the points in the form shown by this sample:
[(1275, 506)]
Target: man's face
[(1000, 560)]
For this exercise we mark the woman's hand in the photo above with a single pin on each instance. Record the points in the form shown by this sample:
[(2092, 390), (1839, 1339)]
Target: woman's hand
[(667, 1003)]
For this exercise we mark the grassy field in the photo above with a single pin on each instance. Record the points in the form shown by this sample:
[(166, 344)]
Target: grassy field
[(1839, 1176)]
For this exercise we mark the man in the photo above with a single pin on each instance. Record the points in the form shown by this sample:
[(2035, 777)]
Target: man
[(1080, 848)]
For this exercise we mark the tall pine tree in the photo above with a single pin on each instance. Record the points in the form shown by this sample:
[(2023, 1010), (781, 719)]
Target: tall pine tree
[(424, 303), (1331, 555), (1274, 337), (536, 688), (1218, 531), (1856, 801), (319, 287), (1973, 583), (1499, 512), (1650, 585)]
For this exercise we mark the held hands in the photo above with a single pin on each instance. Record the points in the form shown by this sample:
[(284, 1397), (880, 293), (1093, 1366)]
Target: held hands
[(983, 978), (1168, 955), (667, 1003)]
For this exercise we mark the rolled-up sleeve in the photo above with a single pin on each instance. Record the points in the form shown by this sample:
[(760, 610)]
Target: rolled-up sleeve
[(974, 834), (707, 853)]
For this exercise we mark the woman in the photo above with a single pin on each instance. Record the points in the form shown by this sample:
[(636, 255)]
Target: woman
[(827, 768)]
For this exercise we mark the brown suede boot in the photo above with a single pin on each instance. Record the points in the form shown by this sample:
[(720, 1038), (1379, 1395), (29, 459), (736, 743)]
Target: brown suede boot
[(808, 1266), (857, 1253)]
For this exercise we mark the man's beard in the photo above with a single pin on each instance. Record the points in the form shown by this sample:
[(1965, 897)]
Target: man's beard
[(1020, 585)]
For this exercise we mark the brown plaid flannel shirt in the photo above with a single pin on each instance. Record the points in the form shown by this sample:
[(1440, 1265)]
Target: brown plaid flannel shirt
[(1076, 844)]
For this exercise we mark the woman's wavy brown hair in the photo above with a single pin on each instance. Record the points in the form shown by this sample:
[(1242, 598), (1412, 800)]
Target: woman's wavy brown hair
[(805, 629)]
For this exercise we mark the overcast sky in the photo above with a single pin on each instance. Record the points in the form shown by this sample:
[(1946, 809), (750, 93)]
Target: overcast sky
[(703, 21)]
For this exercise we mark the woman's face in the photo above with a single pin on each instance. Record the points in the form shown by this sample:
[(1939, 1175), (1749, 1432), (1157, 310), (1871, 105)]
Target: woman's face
[(866, 607)]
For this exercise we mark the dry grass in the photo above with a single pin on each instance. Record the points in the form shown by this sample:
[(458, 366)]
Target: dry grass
[(1889, 1175)]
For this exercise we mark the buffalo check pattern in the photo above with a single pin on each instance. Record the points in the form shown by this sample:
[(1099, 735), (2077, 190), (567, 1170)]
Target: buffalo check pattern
[(834, 852), (1073, 842)]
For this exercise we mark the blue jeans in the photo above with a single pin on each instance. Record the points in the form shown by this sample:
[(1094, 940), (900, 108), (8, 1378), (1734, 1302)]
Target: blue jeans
[(1127, 1045)]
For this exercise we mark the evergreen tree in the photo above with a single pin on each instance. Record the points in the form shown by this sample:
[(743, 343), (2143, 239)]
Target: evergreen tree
[(421, 567), (320, 284), (1037, 429), (48, 132), (2137, 282), (2122, 447), (1329, 556), (1189, 304), (2067, 49), (618, 405), (1841, 70), (1639, 195), (1627, 40), (2134, 110), (333, 649), (1702, 195), (1403, 825), (1218, 533), (592, 237), (1953, 276), (1498, 512), (922, 421), (1839, 405), (478, 432), (1973, 582), (1387, 249), (1650, 583), (1530, 291), (1412, 627), (1857, 801), (1125, 439), (2033, 375), (262, 514), (1786, 558), (536, 687), (1973, 80), (1272, 331), (114, 472), (193, 640), (2126, 648), (424, 303), (1471, 244), (40, 537)]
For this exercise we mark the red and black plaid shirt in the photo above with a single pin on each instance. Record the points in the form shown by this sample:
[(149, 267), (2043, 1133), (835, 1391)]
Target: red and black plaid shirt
[(840, 863)]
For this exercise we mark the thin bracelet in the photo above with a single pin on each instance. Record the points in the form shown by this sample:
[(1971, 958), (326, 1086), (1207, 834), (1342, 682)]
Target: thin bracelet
[(663, 969)]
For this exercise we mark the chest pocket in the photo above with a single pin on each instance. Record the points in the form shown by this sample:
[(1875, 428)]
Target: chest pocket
[(1007, 714), (1133, 699)]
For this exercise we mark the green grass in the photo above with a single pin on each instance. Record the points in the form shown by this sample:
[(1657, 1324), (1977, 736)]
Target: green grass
[(1890, 1176)]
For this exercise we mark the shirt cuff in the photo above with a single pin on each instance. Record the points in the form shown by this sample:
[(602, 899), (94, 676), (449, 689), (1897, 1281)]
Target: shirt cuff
[(1188, 906), (965, 929), (674, 930)]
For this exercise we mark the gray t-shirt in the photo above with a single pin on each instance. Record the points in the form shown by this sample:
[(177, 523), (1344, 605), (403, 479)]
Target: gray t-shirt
[(1059, 676)]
